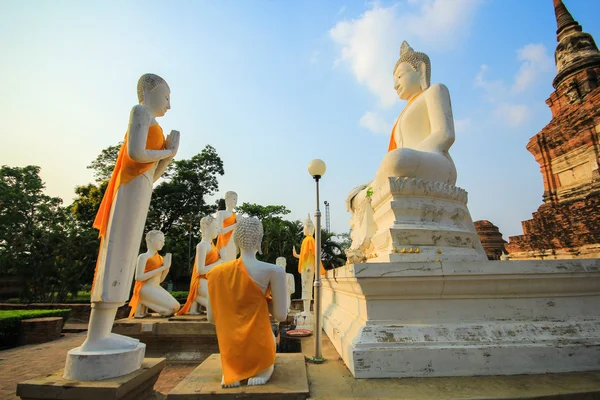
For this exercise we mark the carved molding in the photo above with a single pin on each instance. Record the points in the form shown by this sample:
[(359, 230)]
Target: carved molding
[(401, 185)]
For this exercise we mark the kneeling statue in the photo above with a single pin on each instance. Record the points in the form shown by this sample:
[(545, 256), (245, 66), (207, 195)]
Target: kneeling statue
[(242, 294), (151, 270)]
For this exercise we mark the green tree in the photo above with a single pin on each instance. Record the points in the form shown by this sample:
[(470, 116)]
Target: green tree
[(38, 237), (262, 212), (104, 164)]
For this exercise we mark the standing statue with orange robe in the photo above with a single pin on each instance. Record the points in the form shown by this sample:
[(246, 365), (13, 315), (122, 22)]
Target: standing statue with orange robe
[(306, 263), (227, 221), (143, 158), (207, 257), (242, 293)]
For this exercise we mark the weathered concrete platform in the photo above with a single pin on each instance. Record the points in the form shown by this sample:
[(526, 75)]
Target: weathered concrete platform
[(289, 381), (189, 338), (332, 380), (134, 386)]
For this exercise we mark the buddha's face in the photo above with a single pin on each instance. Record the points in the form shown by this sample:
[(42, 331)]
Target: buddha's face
[(231, 201), (158, 100), (158, 242), (407, 81)]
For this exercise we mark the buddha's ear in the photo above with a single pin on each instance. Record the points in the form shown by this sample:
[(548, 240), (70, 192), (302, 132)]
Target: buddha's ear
[(423, 75)]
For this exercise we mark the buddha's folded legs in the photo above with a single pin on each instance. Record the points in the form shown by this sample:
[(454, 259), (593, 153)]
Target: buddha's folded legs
[(428, 166)]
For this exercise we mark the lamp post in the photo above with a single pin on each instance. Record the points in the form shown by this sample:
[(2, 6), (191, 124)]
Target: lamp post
[(317, 169)]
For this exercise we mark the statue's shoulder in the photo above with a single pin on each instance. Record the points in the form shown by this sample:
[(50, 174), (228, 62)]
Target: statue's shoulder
[(140, 113), (437, 90)]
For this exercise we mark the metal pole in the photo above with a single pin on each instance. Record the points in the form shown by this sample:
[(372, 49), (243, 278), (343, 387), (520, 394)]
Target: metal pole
[(317, 284)]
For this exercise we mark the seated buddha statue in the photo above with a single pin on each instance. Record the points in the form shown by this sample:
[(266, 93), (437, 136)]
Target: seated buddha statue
[(151, 270), (419, 141), (242, 294), (207, 257)]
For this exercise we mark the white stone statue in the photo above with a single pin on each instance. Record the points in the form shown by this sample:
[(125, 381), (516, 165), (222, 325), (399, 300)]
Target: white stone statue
[(143, 158), (306, 264), (417, 163), (207, 257), (226, 223), (242, 293), (151, 270), (291, 282)]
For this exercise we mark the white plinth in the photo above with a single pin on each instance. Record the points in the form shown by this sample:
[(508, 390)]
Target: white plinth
[(95, 366), (411, 319)]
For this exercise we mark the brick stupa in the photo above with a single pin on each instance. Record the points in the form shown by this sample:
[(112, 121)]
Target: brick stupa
[(567, 224), (491, 239)]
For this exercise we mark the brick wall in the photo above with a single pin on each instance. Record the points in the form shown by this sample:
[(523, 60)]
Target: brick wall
[(40, 330)]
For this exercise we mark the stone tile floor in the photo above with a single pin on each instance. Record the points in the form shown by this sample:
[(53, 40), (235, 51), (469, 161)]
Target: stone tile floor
[(25, 362)]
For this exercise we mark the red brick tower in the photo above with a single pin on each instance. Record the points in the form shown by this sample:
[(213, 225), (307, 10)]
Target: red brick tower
[(567, 225)]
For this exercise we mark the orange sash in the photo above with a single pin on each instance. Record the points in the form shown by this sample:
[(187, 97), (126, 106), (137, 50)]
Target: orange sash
[(241, 316), (223, 239), (125, 171), (154, 262), (307, 254), (211, 257), (393, 145)]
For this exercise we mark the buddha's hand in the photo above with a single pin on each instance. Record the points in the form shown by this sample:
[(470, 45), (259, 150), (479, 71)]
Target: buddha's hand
[(167, 261), (294, 252), (172, 142)]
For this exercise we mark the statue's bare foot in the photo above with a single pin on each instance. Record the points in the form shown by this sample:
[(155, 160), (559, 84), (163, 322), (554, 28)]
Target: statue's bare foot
[(112, 342), (262, 377), (232, 385)]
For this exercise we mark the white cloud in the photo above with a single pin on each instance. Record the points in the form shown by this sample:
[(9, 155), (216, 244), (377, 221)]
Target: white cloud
[(462, 126), (370, 43), (375, 123), (513, 114), (535, 61)]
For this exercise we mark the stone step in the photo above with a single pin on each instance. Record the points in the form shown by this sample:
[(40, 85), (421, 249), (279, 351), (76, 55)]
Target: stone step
[(289, 381)]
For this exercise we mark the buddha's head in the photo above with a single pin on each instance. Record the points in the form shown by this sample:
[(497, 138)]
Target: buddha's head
[(412, 73), (282, 262), (154, 94), (208, 227), (155, 240), (231, 200), (309, 227), (248, 234)]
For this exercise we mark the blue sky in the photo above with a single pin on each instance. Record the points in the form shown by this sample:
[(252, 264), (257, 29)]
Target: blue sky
[(272, 85)]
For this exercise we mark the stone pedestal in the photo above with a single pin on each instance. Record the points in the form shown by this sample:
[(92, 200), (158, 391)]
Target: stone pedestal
[(420, 220), (134, 386), (425, 319), (186, 338), (289, 381), (98, 365)]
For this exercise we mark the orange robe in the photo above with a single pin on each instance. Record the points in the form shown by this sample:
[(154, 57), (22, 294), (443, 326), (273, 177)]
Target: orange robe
[(307, 255), (154, 262), (211, 257), (224, 238), (393, 145), (126, 169), (241, 316)]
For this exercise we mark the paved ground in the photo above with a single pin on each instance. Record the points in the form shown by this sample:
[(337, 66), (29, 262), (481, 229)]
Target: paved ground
[(330, 380), (25, 362)]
